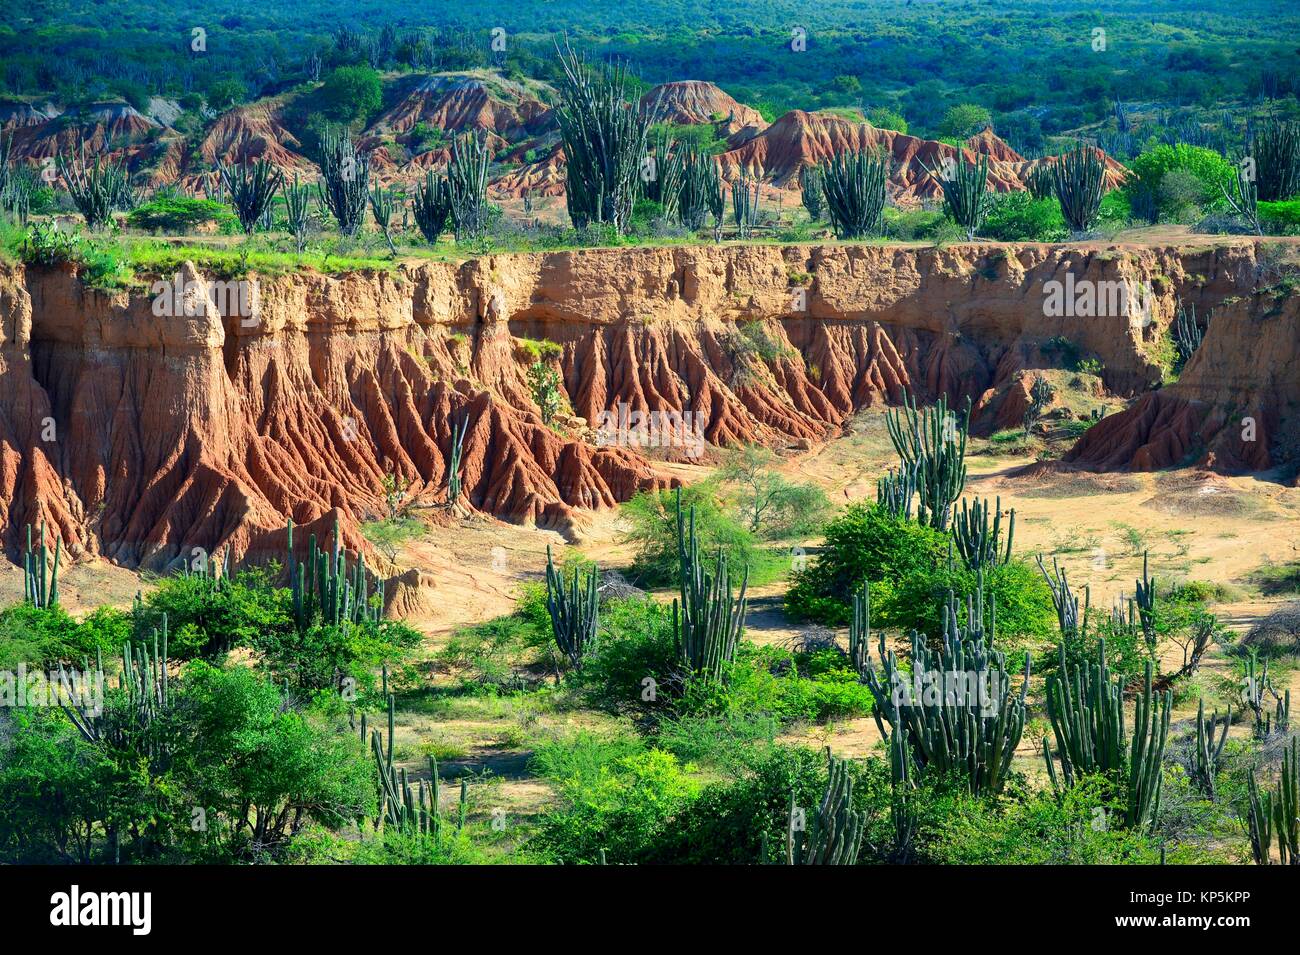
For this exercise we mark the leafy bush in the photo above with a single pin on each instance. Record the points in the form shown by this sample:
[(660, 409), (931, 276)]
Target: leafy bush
[(727, 823), (326, 654), (1280, 218), (351, 93), (622, 806), (1019, 217), (47, 635), (181, 214), (206, 618), (1198, 177), (653, 516), (635, 642)]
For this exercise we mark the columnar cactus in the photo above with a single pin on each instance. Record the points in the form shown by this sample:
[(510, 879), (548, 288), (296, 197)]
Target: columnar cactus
[(40, 578), (454, 461), (811, 192), (432, 206), (1275, 146), (932, 443), (835, 834), (297, 210), (604, 136), (979, 540), (344, 183), (700, 181), (1187, 333), (707, 619), (325, 592), (956, 707), (574, 610), (1086, 710), (1144, 597), (895, 491), (381, 207), (251, 192), (1070, 620), (663, 173), (966, 196), (467, 175), (1079, 180), (854, 186), (1207, 756), (99, 190), (744, 205)]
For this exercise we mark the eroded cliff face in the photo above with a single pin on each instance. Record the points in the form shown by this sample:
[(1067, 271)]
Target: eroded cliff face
[(142, 436)]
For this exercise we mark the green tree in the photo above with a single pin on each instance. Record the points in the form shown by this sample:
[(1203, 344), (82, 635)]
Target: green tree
[(351, 94), (964, 120)]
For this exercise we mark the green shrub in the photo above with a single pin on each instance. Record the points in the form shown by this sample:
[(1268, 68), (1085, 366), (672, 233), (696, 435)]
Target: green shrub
[(622, 806), (44, 636), (862, 544), (206, 619), (635, 643), (726, 825), (1280, 218), (180, 214), (1019, 217), (350, 93), (327, 654), (653, 519), (1201, 175)]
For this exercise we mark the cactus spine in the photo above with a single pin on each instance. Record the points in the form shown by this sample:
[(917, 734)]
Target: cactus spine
[(707, 619), (932, 444), (575, 611)]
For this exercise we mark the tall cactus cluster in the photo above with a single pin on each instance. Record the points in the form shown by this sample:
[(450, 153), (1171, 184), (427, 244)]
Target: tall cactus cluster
[(932, 444), (708, 618), (574, 607), (1187, 333), (324, 591), (854, 185), (744, 205), (1144, 599), (381, 207), (811, 192), (1079, 180), (467, 176), (979, 539), (40, 576), (1276, 813), (836, 832), (1071, 618), (1257, 687), (1207, 751), (1086, 709), (344, 185), (895, 492), (956, 708), (251, 190), (454, 487), (432, 206), (1274, 144), (966, 196), (297, 212), (97, 190), (604, 137), (412, 809), (663, 174), (701, 179)]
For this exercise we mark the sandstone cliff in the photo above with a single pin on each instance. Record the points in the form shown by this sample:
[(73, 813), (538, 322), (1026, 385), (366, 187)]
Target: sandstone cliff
[(142, 436)]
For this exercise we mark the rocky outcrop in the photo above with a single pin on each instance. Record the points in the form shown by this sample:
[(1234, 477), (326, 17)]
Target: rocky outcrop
[(141, 435), (697, 103), (1234, 406)]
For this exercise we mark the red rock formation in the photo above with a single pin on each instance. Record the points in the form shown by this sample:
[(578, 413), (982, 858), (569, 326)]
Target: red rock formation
[(249, 133), (697, 103), (142, 436), (459, 102)]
